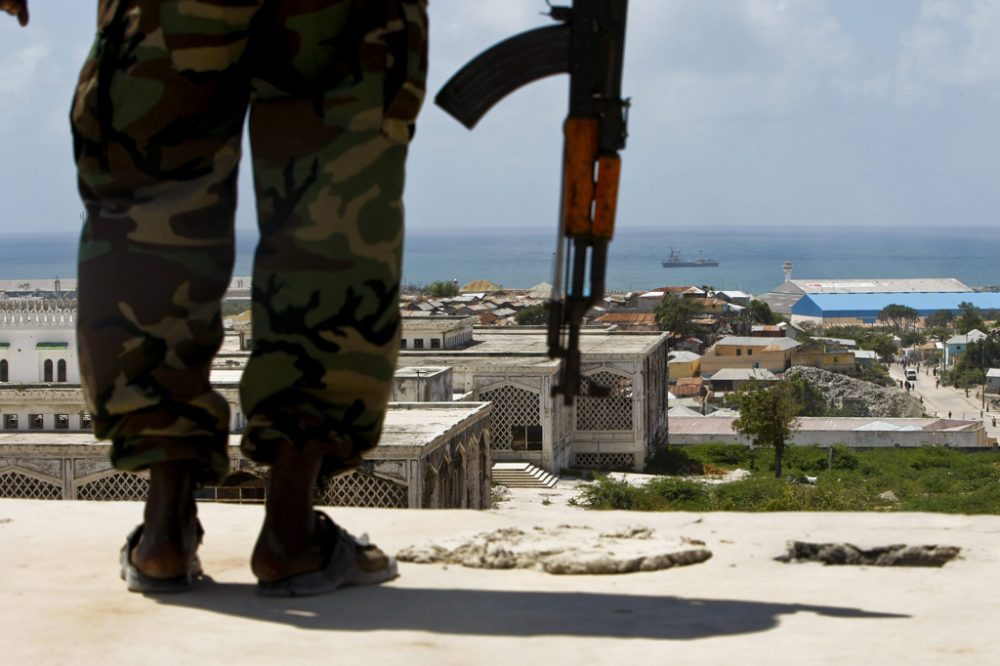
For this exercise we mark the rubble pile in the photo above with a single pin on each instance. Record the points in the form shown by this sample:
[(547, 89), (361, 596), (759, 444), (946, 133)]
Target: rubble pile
[(861, 398)]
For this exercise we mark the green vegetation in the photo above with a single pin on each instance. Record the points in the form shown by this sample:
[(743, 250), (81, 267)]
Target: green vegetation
[(969, 317), (971, 365), (232, 308), (900, 318), (442, 289), (675, 315), (768, 413), (533, 315), (926, 479), (761, 313)]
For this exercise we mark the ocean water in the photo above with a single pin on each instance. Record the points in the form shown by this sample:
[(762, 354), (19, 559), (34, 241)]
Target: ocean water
[(750, 258)]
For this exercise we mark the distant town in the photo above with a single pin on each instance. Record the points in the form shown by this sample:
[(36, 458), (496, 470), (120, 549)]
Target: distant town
[(870, 363)]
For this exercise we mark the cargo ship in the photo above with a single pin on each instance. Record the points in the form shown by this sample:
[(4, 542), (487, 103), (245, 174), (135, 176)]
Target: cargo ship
[(676, 261)]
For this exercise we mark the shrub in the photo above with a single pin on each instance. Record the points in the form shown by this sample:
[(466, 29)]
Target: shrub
[(609, 494), (674, 460), (722, 454), (679, 495)]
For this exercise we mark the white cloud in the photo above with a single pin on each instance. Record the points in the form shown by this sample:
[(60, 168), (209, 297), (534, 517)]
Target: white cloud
[(952, 46), (716, 60), (20, 77)]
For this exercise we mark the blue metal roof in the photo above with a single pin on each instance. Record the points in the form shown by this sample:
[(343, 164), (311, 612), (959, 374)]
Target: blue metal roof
[(867, 306)]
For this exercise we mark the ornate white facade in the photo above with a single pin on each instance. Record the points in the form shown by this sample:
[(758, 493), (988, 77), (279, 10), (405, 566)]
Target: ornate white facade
[(38, 342)]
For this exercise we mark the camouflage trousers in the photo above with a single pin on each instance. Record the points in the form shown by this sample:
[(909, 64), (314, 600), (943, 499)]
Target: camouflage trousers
[(332, 89)]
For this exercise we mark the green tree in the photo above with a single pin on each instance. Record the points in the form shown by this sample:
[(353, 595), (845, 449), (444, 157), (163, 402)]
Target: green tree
[(979, 355), (900, 318), (768, 415), (969, 317), (761, 313), (939, 319), (533, 315), (675, 315), (442, 289), (881, 344)]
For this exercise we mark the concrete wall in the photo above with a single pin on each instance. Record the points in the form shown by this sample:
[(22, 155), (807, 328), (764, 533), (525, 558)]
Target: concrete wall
[(717, 358), (973, 437), (428, 384)]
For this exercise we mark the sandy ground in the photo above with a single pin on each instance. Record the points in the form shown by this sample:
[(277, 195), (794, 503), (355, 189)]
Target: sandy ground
[(61, 601)]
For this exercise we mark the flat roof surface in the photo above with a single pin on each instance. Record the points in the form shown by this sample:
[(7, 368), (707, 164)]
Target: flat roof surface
[(741, 374), (924, 303), (62, 602), (748, 341), (406, 424), (723, 424), (878, 285), (596, 342)]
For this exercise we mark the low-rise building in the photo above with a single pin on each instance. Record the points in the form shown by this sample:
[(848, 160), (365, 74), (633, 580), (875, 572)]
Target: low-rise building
[(825, 355), (959, 343), (683, 364), (731, 379), (774, 354), (438, 332), (511, 369), (430, 456), (860, 432), (993, 380)]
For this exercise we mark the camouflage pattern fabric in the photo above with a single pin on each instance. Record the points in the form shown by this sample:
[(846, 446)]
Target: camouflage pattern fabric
[(333, 88)]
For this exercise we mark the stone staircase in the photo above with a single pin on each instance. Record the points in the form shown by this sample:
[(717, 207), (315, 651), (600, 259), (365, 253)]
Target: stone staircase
[(522, 475)]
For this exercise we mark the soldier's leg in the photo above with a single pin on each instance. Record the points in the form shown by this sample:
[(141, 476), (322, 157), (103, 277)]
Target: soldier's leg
[(329, 148), (157, 120)]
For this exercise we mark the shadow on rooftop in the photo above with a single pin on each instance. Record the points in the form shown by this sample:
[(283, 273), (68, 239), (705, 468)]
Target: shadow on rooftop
[(505, 613)]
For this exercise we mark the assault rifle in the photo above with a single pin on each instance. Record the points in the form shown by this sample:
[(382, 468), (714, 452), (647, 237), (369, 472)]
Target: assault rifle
[(588, 44)]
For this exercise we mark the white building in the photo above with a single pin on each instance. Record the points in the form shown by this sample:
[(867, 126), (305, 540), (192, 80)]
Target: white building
[(438, 332), (511, 369), (37, 342)]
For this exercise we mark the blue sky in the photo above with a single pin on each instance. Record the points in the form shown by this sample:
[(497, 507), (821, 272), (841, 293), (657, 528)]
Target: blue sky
[(777, 112)]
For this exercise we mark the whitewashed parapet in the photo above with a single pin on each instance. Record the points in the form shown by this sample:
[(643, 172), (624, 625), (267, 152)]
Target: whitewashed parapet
[(54, 313)]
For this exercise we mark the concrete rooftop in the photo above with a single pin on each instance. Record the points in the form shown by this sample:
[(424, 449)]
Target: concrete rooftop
[(591, 342), (61, 601)]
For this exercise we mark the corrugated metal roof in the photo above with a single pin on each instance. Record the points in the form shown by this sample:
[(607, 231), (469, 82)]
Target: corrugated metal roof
[(747, 341), (722, 425), (869, 305), (743, 374), (972, 336), (884, 426), (780, 302), (680, 411), (879, 285), (628, 317)]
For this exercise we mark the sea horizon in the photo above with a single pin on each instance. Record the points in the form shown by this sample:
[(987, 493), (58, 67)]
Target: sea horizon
[(750, 257)]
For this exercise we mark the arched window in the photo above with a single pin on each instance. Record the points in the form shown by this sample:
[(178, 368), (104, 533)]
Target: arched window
[(61, 370), (4, 371), (47, 371)]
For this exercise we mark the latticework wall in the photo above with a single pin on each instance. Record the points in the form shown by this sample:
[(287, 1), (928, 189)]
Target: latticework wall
[(22, 486), (512, 406), (613, 412), (360, 489), (120, 486), (606, 460)]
